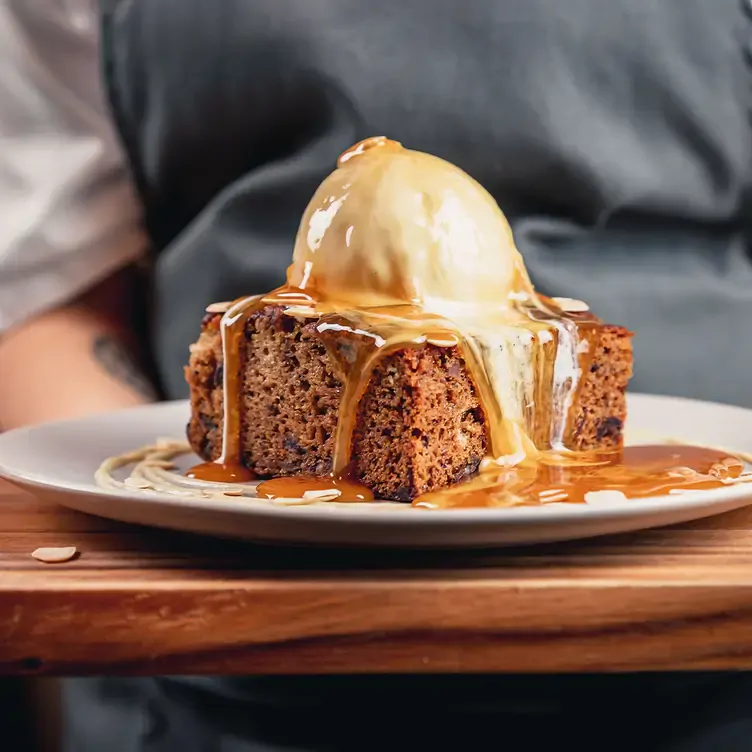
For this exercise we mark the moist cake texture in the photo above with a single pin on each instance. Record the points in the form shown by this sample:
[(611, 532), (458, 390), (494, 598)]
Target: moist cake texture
[(419, 426)]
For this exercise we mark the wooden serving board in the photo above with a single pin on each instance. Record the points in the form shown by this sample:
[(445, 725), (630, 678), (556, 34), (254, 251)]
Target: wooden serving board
[(138, 601)]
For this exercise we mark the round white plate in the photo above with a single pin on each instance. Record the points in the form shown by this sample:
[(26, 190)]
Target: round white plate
[(57, 461)]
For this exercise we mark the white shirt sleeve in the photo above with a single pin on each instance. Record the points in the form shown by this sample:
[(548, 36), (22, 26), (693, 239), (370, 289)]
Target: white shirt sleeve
[(69, 216)]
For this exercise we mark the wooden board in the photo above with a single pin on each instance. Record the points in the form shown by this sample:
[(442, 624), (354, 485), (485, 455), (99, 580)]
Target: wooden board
[(145, 601)]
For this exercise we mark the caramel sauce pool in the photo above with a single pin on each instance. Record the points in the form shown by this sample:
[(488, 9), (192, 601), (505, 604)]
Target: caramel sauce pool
[(295, 486), (636, 472), (222, 472)]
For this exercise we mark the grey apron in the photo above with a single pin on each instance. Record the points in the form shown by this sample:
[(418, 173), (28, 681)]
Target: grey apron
[(615, 136)]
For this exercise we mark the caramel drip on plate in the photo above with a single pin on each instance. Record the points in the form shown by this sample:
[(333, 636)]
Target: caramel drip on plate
[(636, 472), (220, 471), (331, 488)]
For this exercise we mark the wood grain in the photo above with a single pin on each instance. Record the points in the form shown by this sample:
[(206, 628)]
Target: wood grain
[(141, 601)]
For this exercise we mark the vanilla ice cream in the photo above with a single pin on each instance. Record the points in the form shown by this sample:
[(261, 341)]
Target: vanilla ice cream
[(395, 226)]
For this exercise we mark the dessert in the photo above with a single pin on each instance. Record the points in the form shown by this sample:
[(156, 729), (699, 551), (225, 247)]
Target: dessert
[(407, 352), (409, 358)]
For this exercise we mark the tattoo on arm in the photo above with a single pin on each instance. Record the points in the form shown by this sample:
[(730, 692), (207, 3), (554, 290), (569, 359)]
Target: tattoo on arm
[(121, 365)]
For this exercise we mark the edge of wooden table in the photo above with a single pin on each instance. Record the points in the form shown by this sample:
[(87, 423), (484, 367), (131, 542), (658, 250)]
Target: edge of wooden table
[(139, 601)]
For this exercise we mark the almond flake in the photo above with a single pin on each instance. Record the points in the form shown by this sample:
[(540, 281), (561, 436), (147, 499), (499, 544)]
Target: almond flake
[(571, 305), (300, 311), (141, 485), (439, 341), (222, 307), (54, 555), (325, 494), (604, 497)]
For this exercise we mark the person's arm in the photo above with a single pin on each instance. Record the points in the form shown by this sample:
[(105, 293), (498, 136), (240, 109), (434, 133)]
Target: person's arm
[(77, 359), (69, 226)]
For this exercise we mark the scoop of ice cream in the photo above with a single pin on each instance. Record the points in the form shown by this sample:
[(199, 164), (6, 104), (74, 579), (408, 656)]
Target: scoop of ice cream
[(391, 225)]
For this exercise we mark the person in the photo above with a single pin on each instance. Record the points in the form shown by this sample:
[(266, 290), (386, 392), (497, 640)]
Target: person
[(170, 147)]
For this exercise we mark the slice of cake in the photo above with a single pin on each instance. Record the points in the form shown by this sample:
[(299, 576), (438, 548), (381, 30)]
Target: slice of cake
[(407, 347)]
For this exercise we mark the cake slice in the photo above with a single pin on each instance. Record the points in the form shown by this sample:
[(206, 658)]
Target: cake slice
[(420, 425)]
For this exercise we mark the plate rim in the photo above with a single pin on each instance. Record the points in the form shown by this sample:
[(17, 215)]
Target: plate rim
[(405, 516)]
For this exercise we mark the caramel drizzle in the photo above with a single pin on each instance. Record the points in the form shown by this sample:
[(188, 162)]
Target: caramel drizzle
[(316, 489), (354, 385), (228, 467), (516, 472), (574, 339), (373, 334)]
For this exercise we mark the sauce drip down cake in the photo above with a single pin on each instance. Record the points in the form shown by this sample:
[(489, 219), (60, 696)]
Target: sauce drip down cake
[(408, 357)]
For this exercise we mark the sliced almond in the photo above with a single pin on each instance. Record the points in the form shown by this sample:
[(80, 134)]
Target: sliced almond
[(232, 492), (222, 307), (325, 494), (571, 305), (604, 497), (51, 555), (438, 340), (138, 483), (300, 311)]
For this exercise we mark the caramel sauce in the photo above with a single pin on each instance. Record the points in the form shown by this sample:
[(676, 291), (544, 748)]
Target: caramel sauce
[(635, 472), (228, 467), (357, 340), (222, 472), (373, 142), (458, 282), (295, 486)]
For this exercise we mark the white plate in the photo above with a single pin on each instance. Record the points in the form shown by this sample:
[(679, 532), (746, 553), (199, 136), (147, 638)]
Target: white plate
[(57, 462)]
